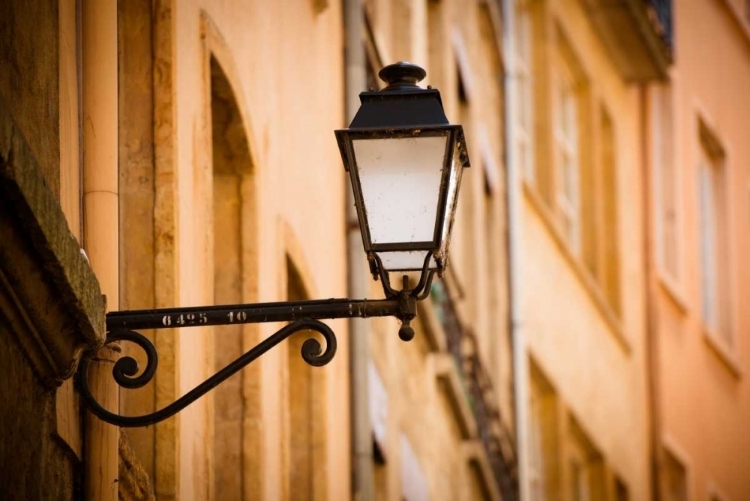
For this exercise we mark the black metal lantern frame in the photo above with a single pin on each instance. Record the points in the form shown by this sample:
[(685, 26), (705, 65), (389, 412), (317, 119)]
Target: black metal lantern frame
[(401, 110), (453, 135)]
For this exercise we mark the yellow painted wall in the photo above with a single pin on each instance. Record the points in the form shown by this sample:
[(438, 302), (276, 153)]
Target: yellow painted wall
[(593, 358), (283, 62)]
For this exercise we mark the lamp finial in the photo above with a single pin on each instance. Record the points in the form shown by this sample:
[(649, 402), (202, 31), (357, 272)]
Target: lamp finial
[(402, 76)]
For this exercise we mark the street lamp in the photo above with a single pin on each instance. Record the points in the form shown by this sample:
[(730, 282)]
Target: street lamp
[(405, 162)]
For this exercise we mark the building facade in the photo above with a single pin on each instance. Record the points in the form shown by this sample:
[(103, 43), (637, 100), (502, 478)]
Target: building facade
[(182, 162), (585, 343), (232, 191), (442, 406), (699, 159), (580, 325)]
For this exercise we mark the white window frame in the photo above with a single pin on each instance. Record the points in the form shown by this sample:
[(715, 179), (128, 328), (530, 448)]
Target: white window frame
[(414, 486), (566, 148), (524, 87), (378, 400), (708, 242), (713, 241)]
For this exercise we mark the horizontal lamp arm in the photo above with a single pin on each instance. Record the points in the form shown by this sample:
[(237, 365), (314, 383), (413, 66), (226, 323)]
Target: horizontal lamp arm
[(196, 316)]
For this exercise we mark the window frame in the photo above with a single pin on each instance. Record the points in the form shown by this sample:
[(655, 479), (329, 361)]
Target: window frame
[(553, 60), (674, 455), (666, 175), (566, 115), (714, 277), (524, 87)]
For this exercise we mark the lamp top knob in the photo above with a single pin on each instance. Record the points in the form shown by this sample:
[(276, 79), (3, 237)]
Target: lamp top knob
[(402, 76)]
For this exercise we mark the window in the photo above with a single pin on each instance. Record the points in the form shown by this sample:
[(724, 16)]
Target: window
[(575, 183), (378, 406), (609, 240), (463, 266), (544, 480), (579, 481), (378, 409), (536, 455), (715, 300), (600, 218), (566, 156), (674, 481), (666, 183), (586, 466), (524, 132), (621, 491), (306, 425), (232, 167), (492, 269), (414, 485)]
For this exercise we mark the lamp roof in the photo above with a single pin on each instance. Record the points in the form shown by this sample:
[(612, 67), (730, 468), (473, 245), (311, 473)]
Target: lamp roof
[(402, 103)]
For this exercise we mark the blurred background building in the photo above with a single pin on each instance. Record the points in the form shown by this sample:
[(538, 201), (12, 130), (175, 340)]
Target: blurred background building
[(586, 343)]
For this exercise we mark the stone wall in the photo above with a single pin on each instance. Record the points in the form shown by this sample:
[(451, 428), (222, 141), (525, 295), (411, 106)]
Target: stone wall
[(29, 81), (51, 311), (33, 465)]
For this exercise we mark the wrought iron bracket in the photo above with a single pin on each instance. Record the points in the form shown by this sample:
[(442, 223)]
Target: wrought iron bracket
[(301, 315)]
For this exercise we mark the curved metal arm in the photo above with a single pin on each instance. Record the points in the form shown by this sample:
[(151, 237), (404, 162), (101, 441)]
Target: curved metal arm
[(303, 315), (126, 368)]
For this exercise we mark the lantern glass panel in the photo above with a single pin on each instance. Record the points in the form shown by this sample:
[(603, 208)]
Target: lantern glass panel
[(454, 183), (404, 260), (400, 185)]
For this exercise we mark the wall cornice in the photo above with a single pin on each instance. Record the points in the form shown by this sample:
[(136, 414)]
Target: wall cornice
[(48, 292)]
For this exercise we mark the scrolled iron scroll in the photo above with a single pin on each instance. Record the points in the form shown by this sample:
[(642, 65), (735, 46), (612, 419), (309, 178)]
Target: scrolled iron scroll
[(126, 369)]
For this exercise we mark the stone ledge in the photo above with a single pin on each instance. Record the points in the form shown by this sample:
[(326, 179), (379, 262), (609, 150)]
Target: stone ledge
[(447, 374), (476, 457), (48, 291)]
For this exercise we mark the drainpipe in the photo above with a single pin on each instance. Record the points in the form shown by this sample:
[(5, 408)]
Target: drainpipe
[(514, 186), (652, 341), (359, 278), (101, 228)]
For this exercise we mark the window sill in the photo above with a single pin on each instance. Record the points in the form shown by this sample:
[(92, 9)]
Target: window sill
[(583, 275), (476, 456), (446, 373), (672, 290), (725, 355)]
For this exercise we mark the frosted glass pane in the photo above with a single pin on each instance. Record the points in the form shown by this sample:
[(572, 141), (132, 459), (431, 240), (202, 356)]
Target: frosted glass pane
[(405, 260), (454, 183), (400, 179)]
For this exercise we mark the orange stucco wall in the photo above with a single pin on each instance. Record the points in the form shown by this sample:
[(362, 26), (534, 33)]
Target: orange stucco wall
[(704, 397)]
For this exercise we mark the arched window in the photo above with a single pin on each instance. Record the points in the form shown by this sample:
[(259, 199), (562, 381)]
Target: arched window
[(306, 425), (233, 236)]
